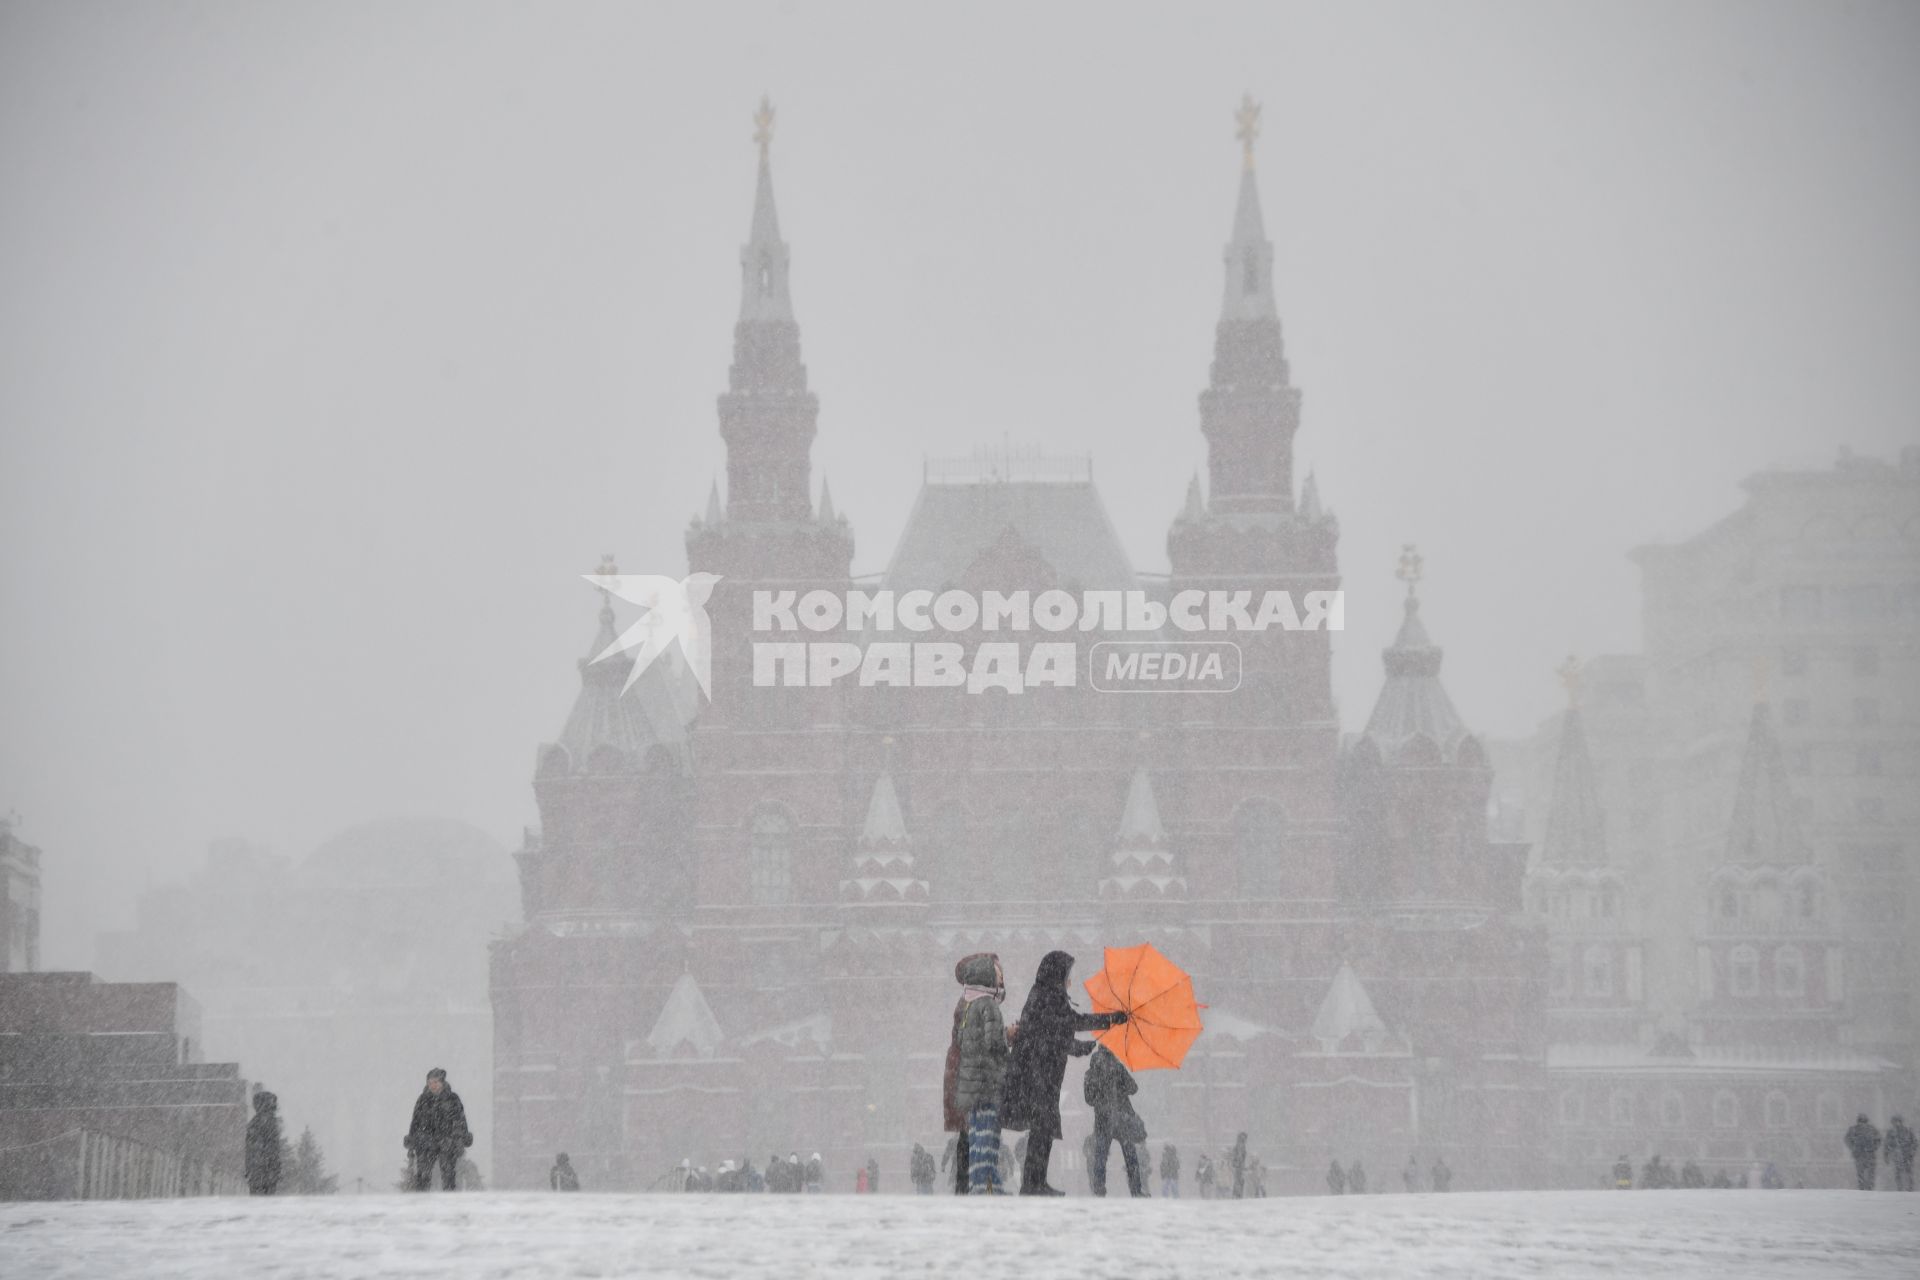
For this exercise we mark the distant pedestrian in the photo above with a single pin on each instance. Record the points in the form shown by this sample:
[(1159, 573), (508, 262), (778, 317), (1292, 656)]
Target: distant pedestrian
[(1109, 1090), (1899, 1153), (1356, 1179), (1411, 1175), (263, 1145), (1257, 1178), (1237, 1160), (1043, 1040), (1170, 1171), (920, 1170), (1623, 1174), (873, 1176), (1336, 1179), (816, 1175), (439, 1134), (1863, 1140), (1442, 1175), (1691, 1176), (562, 1177), (1203, 1176), (860, 1181)]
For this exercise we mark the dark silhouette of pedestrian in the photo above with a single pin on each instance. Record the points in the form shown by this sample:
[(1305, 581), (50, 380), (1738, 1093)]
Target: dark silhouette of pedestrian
[(562, 1177), (263, 1145), (1109, 1090), (1043, 1040), (1356, 1179), (439, 1134), (1336, 1179), (1863, 1141), (1899, 1153)]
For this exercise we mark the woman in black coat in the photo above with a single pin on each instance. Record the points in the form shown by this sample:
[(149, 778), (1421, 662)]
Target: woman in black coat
[(1041, 1047)]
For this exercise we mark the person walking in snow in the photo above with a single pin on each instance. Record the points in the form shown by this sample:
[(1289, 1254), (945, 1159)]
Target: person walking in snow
[(981, 1068), (1336, 1179), (1356, 1179), (873, 1176), (1442, 1175), (263, 1145), (1043, 1040), (439, 1134), (1411, 1175), (816, 1175), (1863, 1141), (1692, 1178), (920, 1170), (1203, 1176), (1900, 1147), (1623, 1174), (1237, 1161), (562, 1177), (1109, 1088), (1170, 1171)]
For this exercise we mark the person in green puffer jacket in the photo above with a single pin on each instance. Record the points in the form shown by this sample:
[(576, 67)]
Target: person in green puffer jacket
[(981, 1069)]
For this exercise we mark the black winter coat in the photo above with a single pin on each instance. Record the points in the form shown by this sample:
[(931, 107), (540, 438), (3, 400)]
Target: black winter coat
[(1109, 1090), (439, 1122), (1048, 1023), (263, 1146)]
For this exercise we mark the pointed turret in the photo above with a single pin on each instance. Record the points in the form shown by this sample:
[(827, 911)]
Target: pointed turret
[(1141, 863), (1310, 508), (1413, 703), (1251, 409), (767, 416), (1576, 829), (827, 514), (686, 1024), (1766, 826), (1346, 1020), (715, 512), (883, 856)]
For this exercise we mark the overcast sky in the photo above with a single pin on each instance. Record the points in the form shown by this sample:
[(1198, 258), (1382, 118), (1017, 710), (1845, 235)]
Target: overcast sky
[(335, 339)]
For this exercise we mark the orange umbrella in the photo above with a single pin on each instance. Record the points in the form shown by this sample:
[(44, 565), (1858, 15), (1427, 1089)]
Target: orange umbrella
[(1163, 1018)]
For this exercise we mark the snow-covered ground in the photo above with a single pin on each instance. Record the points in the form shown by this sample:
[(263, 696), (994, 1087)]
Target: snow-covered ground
[(482, 1236)]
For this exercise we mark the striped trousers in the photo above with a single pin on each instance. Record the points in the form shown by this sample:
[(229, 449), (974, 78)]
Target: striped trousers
[(983, 1151)]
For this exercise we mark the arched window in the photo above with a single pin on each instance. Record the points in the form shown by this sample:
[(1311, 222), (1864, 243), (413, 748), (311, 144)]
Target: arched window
[(1779, 1111), (1726, 1110), (1808, 902), (1259, 836), (1673, 1110), (1729, 904), (766, 277), (1789, 972), (1743, 971), (1597, 971), (770, 866)]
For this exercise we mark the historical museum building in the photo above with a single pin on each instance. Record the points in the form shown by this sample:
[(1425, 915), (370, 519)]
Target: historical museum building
[(741, 915)]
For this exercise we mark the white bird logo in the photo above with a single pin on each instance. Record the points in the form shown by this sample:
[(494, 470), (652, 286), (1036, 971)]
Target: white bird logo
[(674, 611)]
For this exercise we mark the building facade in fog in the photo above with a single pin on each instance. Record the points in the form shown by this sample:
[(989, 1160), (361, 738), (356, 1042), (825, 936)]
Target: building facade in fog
[(742, 916), (19, 902), (1725, 835), (340, 978), (104, 1093)]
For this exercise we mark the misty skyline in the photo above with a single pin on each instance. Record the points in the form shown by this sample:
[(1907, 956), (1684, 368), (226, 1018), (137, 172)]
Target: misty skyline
[(338, 344)]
